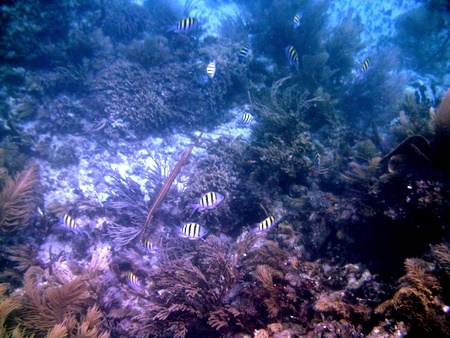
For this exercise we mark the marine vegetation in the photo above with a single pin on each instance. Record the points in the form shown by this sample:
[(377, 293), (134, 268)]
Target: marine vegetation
[(18, 199), (417, 301)]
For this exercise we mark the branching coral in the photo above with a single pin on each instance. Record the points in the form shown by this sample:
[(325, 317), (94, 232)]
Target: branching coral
[(51, 303), (18, 199), (8, 305), (414, 302)]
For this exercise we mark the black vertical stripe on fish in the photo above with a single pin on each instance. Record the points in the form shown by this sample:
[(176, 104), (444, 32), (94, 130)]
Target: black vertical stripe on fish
[(246, 118), (243, 53), (365, 65), (292, 56), (211, 69), (69, 222), (267, 223)]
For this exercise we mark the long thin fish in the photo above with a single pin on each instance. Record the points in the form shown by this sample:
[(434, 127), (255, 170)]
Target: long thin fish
[(163, 192)]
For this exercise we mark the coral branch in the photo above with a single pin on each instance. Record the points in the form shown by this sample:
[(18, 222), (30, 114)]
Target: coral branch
[(18, 199)]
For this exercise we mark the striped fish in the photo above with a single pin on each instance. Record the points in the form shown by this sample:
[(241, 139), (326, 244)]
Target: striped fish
[(70, 223), (133, 281), (67, 222), (297, 19), (365, 66), (211, 69), (266, 224), (246, 118), (150, 246), (192, 231), (317, 160), (243, 53), (208, 201), (183, 26), (292, 56)]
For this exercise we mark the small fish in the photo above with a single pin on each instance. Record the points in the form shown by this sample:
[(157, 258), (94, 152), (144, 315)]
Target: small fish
[(246, 118), (365, 66), (133, 281), (69, 223), (317, 161), (211, 69), (266, 224), (207, 201), (150, 246), (192, 231), (297, 19), (184, 25), (292, 56), (243, 53)]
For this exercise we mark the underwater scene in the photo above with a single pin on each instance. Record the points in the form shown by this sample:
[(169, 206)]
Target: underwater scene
[(225, 168)]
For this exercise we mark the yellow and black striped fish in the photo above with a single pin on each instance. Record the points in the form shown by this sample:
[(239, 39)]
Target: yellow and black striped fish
[(243, 53), (297, 19), (266, 224), (193, 231), (317, 160), (150, 246), (211, 69), (292, 56), (133, 281), (246, 118), (208, 201), (184, 25), (365, 65)]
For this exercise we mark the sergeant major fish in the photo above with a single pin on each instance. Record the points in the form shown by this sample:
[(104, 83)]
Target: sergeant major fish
[(69, 223), (207, 201), (211, 69), (297, 19), (246, 118), (183, 26), (192, 231), (133, 281), (268, 223), (292, 56), (243, 53), (151, 246)]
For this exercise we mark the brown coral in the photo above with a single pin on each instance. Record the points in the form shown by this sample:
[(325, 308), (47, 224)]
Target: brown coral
[(18, 199)]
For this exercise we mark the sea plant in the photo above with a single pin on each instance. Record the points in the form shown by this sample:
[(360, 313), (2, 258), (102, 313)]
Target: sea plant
[(414, 302), (18, 199)]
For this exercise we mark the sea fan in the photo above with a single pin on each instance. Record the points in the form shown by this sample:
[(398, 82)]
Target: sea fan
[(18, 198), (46, 303)]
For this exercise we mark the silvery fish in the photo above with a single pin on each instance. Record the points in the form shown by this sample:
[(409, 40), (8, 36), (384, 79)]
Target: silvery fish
[(292, 56), (211, 69), (184, 25), (69, 223), (317, 161), (297, 19), (243, 53), (192, 231), (268, 223), (246, 118), (151, 246), (208, 201), (133, 281)]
